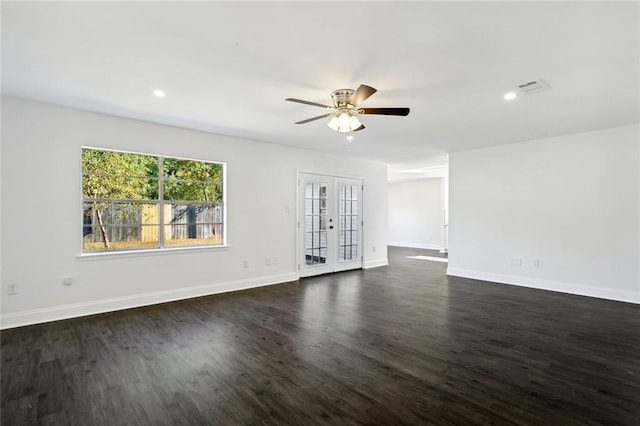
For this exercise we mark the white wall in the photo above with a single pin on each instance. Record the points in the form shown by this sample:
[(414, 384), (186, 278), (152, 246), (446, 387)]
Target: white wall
[(573, 202), (41, 214), (416, 213)]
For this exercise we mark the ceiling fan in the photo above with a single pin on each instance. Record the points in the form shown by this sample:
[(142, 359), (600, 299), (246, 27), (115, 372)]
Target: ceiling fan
[(346, 108)]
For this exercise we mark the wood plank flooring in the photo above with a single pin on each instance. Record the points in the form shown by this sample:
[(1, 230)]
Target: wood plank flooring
[(402, 344)]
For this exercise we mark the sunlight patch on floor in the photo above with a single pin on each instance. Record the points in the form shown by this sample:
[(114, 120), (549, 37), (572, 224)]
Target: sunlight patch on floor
[(432, 258)]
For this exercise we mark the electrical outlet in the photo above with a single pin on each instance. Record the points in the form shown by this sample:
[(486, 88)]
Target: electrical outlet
[(373, 249), (516, 261), (12, 288), (535, 263), (267, 261), (274, 260), (67, 281), (245, 263)]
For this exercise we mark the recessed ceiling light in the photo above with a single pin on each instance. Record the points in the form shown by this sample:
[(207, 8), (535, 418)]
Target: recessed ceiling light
[(159, 93), (510, 96)]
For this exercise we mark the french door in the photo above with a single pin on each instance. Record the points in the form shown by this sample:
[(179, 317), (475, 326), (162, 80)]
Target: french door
[(329, 224)]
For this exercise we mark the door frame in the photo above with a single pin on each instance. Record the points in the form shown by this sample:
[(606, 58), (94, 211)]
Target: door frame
[(300, 214)]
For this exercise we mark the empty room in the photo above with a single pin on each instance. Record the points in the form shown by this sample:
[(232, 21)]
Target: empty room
[(316, 212)]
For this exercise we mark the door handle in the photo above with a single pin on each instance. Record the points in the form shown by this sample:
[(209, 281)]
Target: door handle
[(330, 226)]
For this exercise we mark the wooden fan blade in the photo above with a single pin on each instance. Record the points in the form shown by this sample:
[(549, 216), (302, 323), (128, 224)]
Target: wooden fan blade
[(314, 118), (361, 93), (385, 111), (300, 101), (359, 128)]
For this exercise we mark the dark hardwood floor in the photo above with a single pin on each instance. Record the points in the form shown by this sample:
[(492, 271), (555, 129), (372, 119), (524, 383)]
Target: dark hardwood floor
[(402, 344)]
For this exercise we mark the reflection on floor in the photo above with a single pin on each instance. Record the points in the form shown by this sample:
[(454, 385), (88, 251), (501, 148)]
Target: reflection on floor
[(432, 258)]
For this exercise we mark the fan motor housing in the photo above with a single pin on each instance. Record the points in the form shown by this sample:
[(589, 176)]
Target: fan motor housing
[(341, 97)]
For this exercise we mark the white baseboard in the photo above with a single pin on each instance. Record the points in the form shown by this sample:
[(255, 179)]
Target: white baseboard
[(56, 313), (416, 245), (375, 263), (562, 287)]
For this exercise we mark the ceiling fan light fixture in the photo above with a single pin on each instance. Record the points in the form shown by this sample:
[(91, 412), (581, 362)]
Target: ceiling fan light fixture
[(344, 121), (354, 123), (334, 123)]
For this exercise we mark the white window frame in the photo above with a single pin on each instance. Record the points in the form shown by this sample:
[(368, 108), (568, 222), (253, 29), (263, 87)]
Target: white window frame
[(161, 249)]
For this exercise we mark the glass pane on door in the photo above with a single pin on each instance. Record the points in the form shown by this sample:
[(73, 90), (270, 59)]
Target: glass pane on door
[(315, 223), (348, 223)]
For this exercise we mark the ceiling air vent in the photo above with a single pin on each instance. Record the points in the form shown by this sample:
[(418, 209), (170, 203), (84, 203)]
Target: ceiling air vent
[(533, 87)]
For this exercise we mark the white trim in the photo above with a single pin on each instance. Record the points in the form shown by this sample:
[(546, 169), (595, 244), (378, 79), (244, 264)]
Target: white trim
[(416, 245), (375, 263), (56, 313), (562, 287), (116, 254)]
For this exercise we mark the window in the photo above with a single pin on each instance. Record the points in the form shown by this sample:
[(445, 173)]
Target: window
[(136, 201)]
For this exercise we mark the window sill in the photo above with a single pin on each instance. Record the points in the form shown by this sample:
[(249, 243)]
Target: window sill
[(150, 252)]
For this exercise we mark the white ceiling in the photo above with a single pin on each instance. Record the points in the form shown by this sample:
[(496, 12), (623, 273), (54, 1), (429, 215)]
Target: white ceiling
[(227, 67)]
